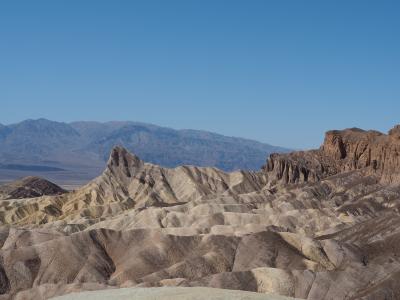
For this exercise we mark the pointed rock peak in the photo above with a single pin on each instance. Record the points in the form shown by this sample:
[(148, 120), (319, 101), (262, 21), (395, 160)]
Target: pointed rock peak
[(122, 160)]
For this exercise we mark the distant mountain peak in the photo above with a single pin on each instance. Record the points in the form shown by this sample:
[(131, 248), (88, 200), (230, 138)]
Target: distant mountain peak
[(39, 121)]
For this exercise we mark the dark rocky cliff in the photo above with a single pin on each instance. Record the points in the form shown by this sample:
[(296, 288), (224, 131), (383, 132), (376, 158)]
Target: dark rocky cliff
[(343, 150)]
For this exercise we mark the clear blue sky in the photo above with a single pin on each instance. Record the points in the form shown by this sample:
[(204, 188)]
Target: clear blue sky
[(281, 72)]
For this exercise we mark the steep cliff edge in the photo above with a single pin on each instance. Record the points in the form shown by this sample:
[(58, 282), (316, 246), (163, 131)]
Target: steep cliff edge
[(343, 150)]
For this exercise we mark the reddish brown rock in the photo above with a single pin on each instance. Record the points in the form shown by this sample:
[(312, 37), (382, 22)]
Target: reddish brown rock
[(343, 150)]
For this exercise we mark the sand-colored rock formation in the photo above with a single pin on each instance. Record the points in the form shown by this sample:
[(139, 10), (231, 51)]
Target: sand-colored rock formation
[(320, 224)]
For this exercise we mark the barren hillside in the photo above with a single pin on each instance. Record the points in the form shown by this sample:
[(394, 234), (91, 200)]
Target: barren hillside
[(320, 224)]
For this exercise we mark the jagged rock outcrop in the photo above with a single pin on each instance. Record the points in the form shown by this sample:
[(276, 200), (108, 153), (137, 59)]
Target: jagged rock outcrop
[(355, 149), (342, 150), (298, 167)]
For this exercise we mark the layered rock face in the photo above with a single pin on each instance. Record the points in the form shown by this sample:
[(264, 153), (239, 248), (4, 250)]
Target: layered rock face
[(320, 224), (345, 150)]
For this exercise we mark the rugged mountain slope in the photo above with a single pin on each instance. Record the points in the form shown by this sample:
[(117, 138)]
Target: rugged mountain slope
[(36, 140), (129, 183), (322, 224)]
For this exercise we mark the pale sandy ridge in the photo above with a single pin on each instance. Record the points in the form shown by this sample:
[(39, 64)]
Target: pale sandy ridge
[(168, 293)]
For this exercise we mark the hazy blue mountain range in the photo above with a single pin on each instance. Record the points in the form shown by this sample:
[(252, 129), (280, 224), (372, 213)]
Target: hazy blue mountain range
[(83, 147)]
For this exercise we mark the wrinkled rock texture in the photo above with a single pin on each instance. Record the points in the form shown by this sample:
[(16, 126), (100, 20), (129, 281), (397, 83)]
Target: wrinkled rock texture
[(319, 224)]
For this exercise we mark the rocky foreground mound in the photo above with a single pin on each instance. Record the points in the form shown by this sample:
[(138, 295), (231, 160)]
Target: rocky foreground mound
[(320, 224), (29, 187)]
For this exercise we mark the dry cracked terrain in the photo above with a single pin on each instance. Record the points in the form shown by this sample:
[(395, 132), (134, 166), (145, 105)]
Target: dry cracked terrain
[(319, 224)]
